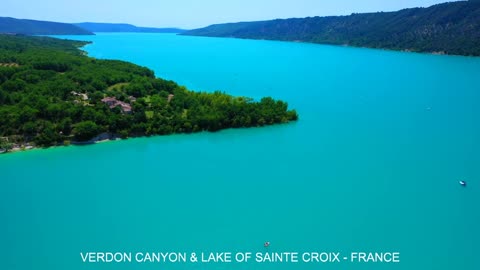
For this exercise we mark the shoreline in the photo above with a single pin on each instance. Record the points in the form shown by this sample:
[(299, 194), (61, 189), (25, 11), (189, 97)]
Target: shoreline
[(103, 137), (108, 137), (435, 53), (23, 148)]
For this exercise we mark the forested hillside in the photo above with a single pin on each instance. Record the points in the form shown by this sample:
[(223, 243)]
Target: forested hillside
[(51, 93), (32, 27), (123, 27), (451, 28)]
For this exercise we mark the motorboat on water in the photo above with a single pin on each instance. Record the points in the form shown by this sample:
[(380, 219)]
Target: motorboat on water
[(266, 244), (463, 183)]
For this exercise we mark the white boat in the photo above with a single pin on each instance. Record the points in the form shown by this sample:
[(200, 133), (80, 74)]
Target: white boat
[(463, 183)]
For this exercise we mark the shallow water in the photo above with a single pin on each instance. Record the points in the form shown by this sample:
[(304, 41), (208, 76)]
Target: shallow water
[(373, 164)]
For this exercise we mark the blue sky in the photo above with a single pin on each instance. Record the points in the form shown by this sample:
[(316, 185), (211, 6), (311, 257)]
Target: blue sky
[(192, 13)]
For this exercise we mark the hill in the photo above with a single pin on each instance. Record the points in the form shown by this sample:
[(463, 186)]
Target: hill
[(450, 28), (51, 93), (122, 27), (33, 27)]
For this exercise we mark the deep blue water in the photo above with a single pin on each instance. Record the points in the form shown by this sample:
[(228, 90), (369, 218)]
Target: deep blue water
[(373, 164)]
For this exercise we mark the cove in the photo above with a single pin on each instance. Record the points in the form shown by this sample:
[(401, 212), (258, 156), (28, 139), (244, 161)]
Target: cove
[(372, 165)]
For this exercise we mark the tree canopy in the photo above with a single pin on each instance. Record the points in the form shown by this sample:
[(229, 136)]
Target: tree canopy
[(50, 92)]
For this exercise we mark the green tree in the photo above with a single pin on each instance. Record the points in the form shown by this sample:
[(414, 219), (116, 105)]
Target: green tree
[(5, 145), (86, 130)]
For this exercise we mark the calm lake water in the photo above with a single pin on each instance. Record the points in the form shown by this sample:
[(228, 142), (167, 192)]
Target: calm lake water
[(373, 164)]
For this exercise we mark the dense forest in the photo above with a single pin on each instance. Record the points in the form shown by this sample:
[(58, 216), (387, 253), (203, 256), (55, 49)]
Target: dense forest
[(123, 27), (450, 28), (33, 27), (51, 93)]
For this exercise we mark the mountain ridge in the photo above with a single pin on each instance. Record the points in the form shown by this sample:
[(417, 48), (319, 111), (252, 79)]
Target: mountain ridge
[(450, 28), (124, 27), (9, 25)]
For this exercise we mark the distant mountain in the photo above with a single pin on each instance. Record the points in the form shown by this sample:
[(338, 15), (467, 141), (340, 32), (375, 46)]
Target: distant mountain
[(450, 28), (32, 27), (123, 27)]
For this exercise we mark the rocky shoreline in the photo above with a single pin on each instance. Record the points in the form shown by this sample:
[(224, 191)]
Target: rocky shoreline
[(103, 137)]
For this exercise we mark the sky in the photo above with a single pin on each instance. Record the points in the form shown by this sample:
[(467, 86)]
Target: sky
[(191, 14)]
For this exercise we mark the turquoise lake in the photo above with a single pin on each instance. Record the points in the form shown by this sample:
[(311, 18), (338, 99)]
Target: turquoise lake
[(373, 164)]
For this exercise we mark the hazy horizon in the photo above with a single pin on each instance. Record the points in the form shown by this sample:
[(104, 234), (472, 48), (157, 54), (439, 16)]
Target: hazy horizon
[(195, 14)]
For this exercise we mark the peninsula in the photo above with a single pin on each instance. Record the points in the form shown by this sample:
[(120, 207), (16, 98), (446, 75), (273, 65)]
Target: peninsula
[(51, 93)]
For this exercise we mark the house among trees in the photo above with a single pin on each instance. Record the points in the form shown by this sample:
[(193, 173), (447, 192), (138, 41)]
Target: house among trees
[(112, 102)]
